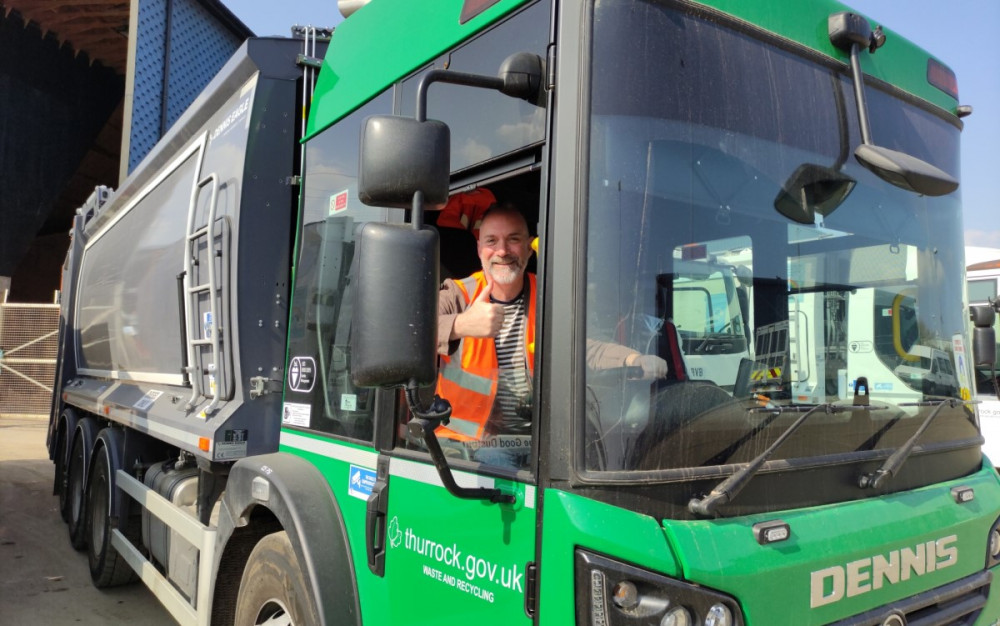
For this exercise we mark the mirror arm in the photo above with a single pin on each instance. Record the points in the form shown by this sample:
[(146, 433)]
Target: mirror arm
[(453, 78), (859, 95), (423, 425)]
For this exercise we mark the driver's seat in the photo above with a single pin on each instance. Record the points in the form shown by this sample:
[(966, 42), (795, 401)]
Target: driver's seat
[(677, 371), (674, 400)]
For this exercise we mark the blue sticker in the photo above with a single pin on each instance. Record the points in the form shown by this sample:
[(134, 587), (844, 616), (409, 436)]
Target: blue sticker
[(361, 482)]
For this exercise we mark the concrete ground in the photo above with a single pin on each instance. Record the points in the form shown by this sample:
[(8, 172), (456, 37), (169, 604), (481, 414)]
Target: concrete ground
[(42, 579)]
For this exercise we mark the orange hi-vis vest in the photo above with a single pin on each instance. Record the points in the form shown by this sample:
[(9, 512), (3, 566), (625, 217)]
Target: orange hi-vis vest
[(468, 377)]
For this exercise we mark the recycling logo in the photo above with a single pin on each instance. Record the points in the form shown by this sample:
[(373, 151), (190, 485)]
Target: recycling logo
[(394, 534)]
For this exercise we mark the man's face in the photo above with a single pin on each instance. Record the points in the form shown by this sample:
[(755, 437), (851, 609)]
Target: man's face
[(504, 248)]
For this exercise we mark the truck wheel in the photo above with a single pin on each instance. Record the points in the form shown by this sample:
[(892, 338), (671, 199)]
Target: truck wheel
[(274, 590), (59, 481), (75, 497), (107, 567)]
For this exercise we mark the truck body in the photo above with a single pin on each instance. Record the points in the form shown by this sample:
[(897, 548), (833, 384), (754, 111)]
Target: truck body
[(249, 325)]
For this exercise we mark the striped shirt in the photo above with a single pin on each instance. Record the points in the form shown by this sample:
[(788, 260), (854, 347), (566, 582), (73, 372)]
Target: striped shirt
[(513, 399)]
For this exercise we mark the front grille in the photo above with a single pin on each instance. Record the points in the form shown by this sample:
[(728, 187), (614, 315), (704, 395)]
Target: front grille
[(955, 604)]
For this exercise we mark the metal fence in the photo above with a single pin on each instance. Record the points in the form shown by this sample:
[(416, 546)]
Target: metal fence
[(29, 343)]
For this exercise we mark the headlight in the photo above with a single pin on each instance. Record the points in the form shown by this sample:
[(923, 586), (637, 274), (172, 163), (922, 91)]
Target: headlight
[(993, 546), (678, 616), (612, 593)]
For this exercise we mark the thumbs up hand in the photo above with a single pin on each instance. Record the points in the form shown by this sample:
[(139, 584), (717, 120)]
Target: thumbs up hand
[(483, 318)]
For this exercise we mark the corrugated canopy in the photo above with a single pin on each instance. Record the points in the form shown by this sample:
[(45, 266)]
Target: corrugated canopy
[(96, 28)]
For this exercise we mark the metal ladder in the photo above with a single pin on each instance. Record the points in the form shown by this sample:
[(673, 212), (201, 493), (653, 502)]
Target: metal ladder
[(311, 36), (191, 292)]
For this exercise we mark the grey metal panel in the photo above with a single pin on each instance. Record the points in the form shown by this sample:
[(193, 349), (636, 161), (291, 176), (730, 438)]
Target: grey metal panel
[(243, 130), (274, 58), (128, 317)]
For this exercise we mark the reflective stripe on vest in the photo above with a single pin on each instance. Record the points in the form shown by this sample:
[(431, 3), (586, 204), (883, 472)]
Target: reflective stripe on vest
[(468, 377)]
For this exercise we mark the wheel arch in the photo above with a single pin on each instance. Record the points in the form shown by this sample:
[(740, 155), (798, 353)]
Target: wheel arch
[(298, 500), (65, 427), (62, 430)]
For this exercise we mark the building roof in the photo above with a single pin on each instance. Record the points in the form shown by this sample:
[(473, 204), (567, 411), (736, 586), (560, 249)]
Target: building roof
[(97, 28)]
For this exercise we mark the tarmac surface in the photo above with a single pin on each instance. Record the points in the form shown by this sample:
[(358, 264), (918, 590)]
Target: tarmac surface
[(43, 580)]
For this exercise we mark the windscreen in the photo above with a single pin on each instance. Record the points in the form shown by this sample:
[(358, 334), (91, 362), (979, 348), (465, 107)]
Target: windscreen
[(732, 235)]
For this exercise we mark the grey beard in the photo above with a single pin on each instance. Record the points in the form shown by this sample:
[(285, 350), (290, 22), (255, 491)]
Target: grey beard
[(507, 274)]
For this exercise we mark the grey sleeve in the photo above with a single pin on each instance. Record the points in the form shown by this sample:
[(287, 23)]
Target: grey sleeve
[(602, 355), (451, 303)]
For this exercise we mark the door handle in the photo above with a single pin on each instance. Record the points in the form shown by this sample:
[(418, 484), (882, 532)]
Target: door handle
[(375, 526)]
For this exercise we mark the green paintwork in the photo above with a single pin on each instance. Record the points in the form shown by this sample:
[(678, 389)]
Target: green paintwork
[(485, 583), (353, 509), (724, 555), (384, 41), (388, 39), (570, 521), (773, 582), (473, 569)]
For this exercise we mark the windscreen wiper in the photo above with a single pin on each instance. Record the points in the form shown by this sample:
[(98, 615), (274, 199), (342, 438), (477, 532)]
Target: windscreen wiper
[(728, 489), (876, 479)]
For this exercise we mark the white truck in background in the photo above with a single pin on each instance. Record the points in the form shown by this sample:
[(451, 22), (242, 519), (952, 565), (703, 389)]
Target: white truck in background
[(982, 287)]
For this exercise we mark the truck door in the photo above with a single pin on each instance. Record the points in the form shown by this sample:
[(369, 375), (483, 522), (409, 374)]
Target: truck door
[(467, 559), (449, 560), (458, 561)]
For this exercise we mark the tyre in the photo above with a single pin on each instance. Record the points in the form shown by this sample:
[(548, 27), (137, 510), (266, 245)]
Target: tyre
[(274, 589), (75, 496), (59, 480), (107, 567)]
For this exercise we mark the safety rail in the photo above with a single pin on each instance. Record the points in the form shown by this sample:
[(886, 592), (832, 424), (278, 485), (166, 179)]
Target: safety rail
[(194, 532)]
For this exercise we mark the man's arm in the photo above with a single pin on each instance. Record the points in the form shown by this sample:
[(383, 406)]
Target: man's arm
[(451, 303), (602, 355), (482, 318)]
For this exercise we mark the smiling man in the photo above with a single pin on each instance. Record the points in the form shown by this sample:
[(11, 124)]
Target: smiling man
[(486, 343)]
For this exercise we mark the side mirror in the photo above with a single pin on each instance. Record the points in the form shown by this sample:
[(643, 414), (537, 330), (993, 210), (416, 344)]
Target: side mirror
[(521, 73), (851, 33), (401, 156), (983, 335), (813, 189), (905, 171), (394, 322)]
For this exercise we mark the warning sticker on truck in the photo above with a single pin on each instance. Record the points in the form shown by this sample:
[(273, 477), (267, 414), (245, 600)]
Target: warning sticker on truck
[(339, 202), (361, 482), (232, 446), (301, 374), (147, 400), (295, 414)]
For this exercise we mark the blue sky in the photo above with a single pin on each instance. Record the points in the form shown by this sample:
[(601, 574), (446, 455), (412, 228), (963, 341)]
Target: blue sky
[(963, 34)]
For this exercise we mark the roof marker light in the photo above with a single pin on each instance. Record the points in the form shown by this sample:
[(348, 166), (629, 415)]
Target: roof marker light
[(941, 76)]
